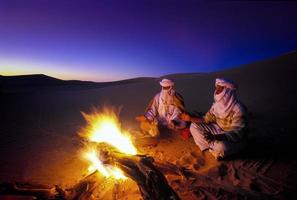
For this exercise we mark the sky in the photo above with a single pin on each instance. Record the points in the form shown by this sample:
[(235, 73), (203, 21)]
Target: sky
[(110, 40)]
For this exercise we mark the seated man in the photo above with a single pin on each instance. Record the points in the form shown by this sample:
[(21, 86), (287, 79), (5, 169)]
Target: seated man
[(163, 110), (223, 128)]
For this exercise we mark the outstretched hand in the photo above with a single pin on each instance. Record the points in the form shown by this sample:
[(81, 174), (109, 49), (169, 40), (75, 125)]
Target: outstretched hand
[(188, 118), (185, 117), (141, 118)]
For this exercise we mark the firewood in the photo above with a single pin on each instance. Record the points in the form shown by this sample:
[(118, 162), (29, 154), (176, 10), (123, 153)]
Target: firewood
[(151, 182), (140, 168), (41, 193)]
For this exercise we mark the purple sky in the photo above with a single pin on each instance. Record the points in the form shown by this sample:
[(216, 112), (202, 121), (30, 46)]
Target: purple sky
[(111, 40)]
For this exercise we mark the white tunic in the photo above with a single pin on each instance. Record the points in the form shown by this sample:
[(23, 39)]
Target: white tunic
[(163, 110)]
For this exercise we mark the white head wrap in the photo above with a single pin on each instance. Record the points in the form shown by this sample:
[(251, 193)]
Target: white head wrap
[(225, 101), (166, 83), (166, 96), (225, 83)]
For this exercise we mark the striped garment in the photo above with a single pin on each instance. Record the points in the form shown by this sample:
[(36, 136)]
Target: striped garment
[(234, 125), (227, 116)]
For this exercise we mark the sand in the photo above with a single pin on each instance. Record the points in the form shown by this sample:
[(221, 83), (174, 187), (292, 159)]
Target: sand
[(39, 126)]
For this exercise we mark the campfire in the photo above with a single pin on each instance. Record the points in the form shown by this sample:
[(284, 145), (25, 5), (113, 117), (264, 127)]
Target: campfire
[(104, 128), (110, 153)]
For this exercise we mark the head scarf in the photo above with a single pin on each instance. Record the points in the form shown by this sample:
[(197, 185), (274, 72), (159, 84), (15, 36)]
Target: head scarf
[(226, 83), (166, 96), (225, 101), (166, 83)]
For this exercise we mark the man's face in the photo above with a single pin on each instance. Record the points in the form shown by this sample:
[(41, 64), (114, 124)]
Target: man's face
[(166, 88), (219, 89)]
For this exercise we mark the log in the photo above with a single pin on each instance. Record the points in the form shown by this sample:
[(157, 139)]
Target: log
[(140, 168), (30, 190), (84, 189), (80, 191), (151, 182)]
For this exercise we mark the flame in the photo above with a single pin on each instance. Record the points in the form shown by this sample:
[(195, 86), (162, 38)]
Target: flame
[(106, 171), (105, 127)]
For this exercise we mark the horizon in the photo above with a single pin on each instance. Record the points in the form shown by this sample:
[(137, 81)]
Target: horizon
[(163, 75), (113, 40)]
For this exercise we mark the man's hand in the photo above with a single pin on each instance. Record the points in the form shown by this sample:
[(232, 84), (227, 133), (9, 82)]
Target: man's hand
[(209, 137), (175, 122), (185, 117), (141, 118)]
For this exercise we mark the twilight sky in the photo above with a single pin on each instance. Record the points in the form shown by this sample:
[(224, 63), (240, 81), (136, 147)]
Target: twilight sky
[(111, 40)]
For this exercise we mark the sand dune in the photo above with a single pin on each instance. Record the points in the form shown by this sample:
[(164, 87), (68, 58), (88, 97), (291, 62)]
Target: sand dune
[(40, 82), (38, 130)]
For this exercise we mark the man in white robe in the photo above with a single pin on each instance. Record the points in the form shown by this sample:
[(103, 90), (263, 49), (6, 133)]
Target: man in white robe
[(163, 110), (223, 129)]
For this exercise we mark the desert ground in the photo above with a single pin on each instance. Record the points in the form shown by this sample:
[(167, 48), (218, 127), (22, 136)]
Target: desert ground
[(41, 117)]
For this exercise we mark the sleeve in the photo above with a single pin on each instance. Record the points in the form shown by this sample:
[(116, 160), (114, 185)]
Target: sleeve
[(209, 116), (176, 112), (152, 109), (238, 126)]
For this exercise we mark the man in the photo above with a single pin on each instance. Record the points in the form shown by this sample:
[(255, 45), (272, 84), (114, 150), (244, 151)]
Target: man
[(163, 110), (223, 128)]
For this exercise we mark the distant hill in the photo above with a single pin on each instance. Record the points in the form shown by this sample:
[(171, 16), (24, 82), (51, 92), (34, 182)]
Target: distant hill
[(37, 81), (273, 77)]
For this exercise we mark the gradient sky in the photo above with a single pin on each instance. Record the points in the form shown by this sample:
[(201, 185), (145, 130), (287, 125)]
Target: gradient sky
[(111, 40)]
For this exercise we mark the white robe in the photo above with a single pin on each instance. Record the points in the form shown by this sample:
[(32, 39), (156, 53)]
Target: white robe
[(164, 110), (226, 116)]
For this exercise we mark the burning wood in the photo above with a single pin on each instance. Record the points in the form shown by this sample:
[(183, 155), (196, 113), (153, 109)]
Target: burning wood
[(40, 192), (104, 127), (151, 182), (116, 156), (111, 153)]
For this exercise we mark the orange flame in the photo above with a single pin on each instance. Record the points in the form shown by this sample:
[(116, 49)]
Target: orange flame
[(105, 127)]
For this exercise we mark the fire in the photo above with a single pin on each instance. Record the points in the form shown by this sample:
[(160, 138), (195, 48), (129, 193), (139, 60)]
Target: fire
[(96, 164), (104, 127)]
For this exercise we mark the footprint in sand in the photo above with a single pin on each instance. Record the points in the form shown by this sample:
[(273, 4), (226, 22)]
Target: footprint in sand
[(159, 155), (192, 161), (197, 161), (205, 161), (184, 161), (195, 154)]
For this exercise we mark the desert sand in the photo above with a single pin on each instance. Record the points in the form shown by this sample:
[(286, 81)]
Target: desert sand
[(39, 125)]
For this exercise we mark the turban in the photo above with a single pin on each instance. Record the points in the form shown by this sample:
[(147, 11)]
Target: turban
[(225, 83), (225, 101), (166, 83)]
